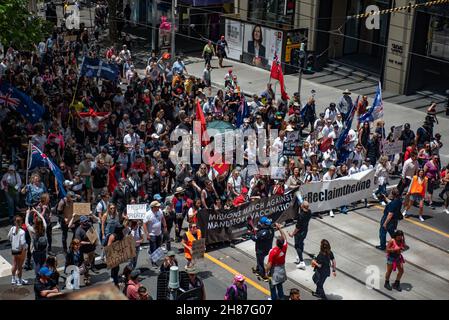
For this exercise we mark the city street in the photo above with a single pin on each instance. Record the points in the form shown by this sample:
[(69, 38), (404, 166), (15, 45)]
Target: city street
[(360, 272)]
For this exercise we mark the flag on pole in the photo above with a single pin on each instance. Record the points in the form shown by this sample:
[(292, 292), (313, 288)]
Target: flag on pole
[(348, 124), (276, 73), (16, 100), (94, 67), (40, 159), (200, 117), (242, 112), (377, 109)]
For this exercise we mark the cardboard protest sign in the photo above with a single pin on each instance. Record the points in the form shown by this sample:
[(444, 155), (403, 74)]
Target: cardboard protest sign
[(120, 251), (81, 208), (92, 235), (198, 248), (392, 148), (136, 211), (397, 131), (292, 144), (70, 38)]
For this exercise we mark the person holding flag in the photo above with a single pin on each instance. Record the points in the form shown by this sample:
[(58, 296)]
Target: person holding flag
[(277, 74), (376, 111)]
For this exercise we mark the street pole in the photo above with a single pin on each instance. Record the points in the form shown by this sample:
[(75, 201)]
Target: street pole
[(154, 23), (174, 4), (302, 55)]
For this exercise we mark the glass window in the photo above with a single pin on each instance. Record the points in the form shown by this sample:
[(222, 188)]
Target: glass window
[(438, 38)]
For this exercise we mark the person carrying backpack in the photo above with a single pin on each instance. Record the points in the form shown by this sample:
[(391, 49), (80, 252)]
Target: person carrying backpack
[(238, 290), (39, 241)]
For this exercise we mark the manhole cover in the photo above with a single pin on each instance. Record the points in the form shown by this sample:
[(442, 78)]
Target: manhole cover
[(14, 293)]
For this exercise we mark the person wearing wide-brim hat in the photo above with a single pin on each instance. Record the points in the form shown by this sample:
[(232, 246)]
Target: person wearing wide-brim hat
[(11, 183), (154, 225), (179, 190), (169, 261), (195, 282)]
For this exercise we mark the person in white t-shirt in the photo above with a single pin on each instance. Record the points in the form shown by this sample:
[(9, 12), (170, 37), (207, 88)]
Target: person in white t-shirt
[(16, 236), (154, 225), (328, 176)]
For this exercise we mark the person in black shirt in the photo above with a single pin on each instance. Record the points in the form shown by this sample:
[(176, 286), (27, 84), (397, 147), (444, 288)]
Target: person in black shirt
[(238, 290), (44, 287), (195, 282), (264, 241), (389, 222), (99, 178), (87, 248), (111, 147), (322, 264), (300, 232)]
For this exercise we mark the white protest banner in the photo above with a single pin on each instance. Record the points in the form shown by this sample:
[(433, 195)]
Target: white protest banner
[(328, 195), (397, 132), (198, 248), (136, 211), (120, 251), (392, 148)]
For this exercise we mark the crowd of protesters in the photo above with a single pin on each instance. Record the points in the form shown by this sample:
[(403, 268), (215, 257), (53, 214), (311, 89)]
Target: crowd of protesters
[(111, 140)]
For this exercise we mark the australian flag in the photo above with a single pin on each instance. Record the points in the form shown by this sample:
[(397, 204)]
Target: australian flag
[(40, 159), (16, 100), (94, 67), (242, 112)]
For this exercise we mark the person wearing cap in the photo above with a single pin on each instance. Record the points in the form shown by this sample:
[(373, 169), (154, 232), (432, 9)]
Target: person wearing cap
[(263, 238), (44, 288), (169, 261), (196, 282), (238, 290), (11, 184), (222, 45), (345, 103), (86, 247), (154, 225), (190, 236)]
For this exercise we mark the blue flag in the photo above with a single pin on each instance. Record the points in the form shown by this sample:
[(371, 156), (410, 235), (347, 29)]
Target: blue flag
[(91, 67), (348, 124), (242, 112), (377, 109), (40, 159), (17, 100)]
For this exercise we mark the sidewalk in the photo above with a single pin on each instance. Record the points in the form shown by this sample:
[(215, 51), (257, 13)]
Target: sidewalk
[(355, 267), (253, 80)]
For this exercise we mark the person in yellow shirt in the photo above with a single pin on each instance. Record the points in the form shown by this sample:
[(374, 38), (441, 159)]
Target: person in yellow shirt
[(208, 52)]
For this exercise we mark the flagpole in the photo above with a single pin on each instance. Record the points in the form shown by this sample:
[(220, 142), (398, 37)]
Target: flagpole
[(28, 162)]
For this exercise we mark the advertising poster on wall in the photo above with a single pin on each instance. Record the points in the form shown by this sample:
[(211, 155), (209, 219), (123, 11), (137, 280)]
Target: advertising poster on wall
[(234, 37), (260, 44)]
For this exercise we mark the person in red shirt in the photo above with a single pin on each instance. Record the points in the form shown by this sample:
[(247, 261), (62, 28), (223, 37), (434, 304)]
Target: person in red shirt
[(276, 265), (133, 285), (408, 151), (139, 165), (242, 198)]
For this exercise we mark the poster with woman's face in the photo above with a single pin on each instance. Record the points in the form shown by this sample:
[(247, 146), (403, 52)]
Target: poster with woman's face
[(260, 45)]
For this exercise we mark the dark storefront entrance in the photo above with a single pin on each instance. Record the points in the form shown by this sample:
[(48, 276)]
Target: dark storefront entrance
[(363, 47)]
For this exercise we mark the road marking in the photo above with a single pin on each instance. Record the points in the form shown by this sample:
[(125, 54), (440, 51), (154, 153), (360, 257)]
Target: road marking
[(419, 224), (5, 267), (234, 272)]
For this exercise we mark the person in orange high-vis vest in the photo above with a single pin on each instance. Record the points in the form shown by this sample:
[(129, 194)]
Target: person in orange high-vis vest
[(193, 234), (416, 192)]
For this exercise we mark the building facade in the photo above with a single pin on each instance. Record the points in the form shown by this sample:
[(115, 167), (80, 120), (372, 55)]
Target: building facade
[(408, 50)]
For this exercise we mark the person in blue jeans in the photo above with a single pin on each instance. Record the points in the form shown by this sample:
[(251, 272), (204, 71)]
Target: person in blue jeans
[(389, 222), (154, 225)]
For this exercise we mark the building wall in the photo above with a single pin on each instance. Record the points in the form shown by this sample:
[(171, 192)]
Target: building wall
[(336, 42), (398, 46), (305, 17)]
